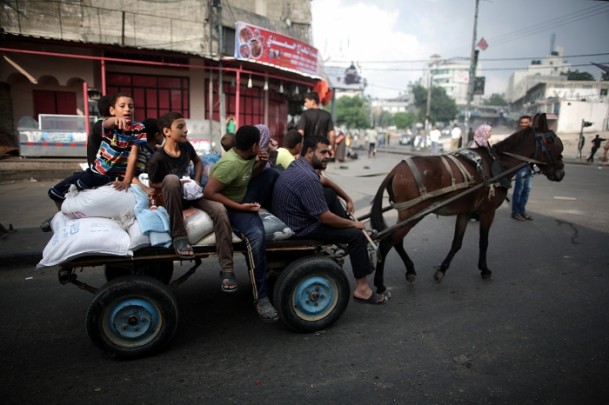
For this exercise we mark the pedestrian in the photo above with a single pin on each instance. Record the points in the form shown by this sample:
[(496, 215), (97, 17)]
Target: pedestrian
[(455, 137), (230, 124), (315, 120), (166, 170), (371, 135), (522, 183), (434, 137), (596, 143), (228, 184), (299, 201)]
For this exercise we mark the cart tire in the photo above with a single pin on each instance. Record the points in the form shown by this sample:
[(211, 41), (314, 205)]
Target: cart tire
[(311, 294), (132, 316), (161, 270)]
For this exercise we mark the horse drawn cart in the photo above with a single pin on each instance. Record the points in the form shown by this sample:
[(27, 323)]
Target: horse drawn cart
[(136, 314)]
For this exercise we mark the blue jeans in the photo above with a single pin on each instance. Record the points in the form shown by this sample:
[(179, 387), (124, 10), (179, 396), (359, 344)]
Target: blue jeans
[(522, 188), (248, 226)]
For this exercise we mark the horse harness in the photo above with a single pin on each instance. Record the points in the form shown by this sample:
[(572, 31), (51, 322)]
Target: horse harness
[(470, 156)]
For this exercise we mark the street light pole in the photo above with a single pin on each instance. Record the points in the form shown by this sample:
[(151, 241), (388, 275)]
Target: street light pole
[(472, 76)]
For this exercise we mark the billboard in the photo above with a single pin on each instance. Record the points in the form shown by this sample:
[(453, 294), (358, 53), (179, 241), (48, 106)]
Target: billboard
[(260, 45)]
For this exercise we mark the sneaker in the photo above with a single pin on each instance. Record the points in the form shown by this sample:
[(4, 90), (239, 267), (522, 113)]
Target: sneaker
[(518, 217), (266, 310), (527, 217)]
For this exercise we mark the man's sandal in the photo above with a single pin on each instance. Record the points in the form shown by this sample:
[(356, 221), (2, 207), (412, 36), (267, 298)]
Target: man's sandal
[(266, 311), (183, 248), (229, 282)]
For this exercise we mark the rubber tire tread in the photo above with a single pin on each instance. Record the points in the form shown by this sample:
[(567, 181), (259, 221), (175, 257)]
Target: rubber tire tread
[(141, 286)]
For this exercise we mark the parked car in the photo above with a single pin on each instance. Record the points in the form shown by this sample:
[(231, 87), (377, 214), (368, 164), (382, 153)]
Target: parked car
[(405, 139)]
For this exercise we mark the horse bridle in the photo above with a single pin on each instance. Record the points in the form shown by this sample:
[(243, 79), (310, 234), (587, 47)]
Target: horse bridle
[(540, 148)]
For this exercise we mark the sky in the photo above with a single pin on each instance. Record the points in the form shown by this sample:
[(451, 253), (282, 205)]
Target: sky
[(390, 40)]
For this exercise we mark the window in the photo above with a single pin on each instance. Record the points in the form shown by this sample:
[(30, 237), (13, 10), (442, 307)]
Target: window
[(153, 96)]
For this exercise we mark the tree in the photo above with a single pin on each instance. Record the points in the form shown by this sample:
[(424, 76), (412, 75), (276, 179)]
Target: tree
[(577, 75), (443, 108), (352, 112), (403, 120), (496, 99)]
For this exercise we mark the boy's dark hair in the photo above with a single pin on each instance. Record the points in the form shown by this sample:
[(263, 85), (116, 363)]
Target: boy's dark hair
[(167, 119), (311, 142), (312, 96), (103, 105), (114, 99), (246, 137), (292, 138), (151, 126), (523, 117), (227, 141)]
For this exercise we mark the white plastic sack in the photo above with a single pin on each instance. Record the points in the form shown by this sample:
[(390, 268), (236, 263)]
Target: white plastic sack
[(137, 239), (274, 228), (105, 202), (85, 236), (58, 221), (197, 223), (210, 240)]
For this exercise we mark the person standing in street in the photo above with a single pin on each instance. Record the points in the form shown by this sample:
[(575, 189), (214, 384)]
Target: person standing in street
[(315, 120), (455, 137), (522, 183), (434, 137)]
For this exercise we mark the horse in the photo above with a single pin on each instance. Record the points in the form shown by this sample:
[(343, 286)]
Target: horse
[(458, 184)]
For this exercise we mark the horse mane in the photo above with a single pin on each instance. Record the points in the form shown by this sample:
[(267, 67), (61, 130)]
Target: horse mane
[(514, 139)]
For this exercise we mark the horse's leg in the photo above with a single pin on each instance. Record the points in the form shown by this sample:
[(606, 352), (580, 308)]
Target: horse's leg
[(460, 226), (384, 247), (411, 274), (486, 220)]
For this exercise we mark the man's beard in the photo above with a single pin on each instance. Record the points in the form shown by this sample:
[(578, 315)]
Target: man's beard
[(319, 164)]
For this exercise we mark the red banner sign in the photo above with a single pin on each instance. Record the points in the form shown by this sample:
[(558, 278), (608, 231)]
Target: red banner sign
[(255, 43)]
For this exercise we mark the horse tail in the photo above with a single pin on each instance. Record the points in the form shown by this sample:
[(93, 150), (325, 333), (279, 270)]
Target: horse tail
[(377, 221)]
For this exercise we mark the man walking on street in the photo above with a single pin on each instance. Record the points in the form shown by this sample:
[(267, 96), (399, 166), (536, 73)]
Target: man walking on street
[(455, 137)]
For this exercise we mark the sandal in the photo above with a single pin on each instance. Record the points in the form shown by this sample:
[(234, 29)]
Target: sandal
[(183, 248), (229, 282), (266, 311)]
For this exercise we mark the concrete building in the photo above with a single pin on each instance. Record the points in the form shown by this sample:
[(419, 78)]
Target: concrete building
[(540, 70), (451, 75), (567, 103), (208, 60)]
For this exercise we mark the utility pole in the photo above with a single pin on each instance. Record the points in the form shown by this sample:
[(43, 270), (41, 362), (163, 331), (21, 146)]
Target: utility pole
[(428, 104), (472, 76)]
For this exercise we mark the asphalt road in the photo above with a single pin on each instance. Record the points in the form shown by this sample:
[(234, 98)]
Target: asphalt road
[(538, 332)]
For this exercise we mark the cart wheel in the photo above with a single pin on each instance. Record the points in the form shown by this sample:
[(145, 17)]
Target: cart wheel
[(132, 316), (161, 270), (311, 294)]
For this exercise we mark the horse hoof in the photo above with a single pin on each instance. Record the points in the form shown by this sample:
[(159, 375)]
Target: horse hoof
[(411, 278), (486, 274), (438, 276)]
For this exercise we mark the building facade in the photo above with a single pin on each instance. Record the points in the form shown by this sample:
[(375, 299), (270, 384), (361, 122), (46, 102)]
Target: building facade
[(208, 60), (451, 75)]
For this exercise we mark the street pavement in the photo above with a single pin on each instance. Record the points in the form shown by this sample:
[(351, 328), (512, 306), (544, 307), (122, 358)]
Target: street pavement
[(25, 204)]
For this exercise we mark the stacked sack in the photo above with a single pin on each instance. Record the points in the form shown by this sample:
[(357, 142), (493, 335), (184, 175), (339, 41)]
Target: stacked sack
[(88, 224)]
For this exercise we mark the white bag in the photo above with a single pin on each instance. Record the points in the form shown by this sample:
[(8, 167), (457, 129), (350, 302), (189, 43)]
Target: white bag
[(274, 228), (85, 236), (105, 202), (197, 223), (137, 238)]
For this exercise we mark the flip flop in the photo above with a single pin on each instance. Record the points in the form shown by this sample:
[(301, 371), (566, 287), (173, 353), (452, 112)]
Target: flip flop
[(374, 299), (229, 282), (183, 248)]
